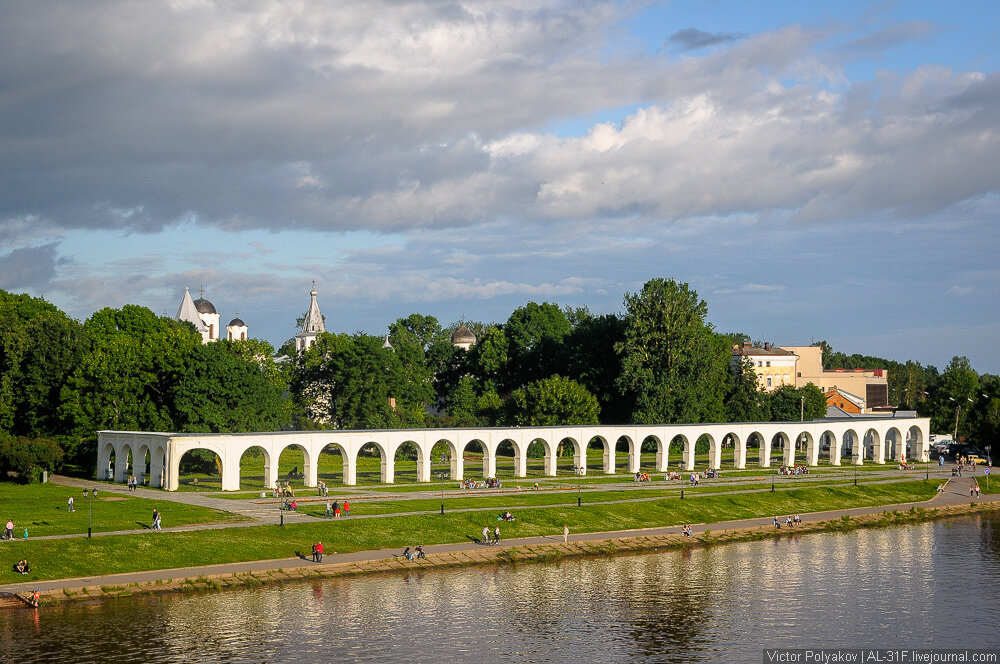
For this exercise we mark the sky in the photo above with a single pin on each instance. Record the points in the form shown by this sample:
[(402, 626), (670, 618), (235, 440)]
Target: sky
[(814, 170)]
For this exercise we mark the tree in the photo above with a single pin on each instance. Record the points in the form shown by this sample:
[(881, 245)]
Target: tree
[(789, 404), (39, 347), (28, 457), (128, 374), (746, 400), (957, 391), (552, 401), (673, 364), (487, 360), (222, 391), (593, 361), (535, 334), (352, 382)]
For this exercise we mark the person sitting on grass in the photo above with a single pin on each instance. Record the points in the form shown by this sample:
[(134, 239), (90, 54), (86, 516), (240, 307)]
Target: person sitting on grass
[(22, 567)]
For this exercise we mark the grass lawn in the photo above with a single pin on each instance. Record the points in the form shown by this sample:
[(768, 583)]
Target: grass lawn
[(53, 559), (42, 509)]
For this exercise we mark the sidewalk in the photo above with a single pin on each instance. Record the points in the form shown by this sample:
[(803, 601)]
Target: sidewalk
[(956, 493)]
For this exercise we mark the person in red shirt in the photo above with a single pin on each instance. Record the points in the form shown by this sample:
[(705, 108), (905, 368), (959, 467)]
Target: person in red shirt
[(347, 508), (318, 557)]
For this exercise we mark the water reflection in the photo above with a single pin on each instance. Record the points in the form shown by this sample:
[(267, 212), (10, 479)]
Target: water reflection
[(923, 585)]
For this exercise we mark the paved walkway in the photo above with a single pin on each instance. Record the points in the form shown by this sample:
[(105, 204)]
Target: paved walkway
[(956, 493)]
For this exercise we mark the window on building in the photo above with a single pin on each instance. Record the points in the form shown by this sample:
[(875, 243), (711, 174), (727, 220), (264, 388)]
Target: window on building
[(769, 381), (768, 363)]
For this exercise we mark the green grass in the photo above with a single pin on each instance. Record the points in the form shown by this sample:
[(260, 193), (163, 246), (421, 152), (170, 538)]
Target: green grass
[(54, 559), (42, 509)]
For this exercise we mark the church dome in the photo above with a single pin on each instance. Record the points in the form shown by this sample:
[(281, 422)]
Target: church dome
[(463, 336), (204, 306), (237, 322)]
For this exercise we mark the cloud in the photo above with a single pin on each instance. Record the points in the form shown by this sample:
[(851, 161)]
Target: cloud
[(691, 39), (961, 290), (889, 37), (28, 267)]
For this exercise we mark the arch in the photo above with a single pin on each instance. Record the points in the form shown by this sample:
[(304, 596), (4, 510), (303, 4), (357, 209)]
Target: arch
[(123, 462), (625, 454), (709, 444), (205, 465), (851, 446), (506, 458), (757, 441), (915, 444), (739, 450), (105, 461), (679, 445), (579, 458), (407, 460), (873, 446), (807, 442), (254, 467), (782, 444), (894, 443), (607, 458), (332, 459), (655, 454), (828, 443), (141, 463), (292, 468), (364, 461)]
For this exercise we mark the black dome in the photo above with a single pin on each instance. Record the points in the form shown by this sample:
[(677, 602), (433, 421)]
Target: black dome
[(237, 322), (204, 306)]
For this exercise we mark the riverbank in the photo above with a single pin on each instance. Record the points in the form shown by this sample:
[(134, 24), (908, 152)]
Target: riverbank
[(525, 550)]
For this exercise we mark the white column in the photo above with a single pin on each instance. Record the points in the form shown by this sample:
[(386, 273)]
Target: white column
[(310, 467), (520, 460), (388, 468), (489, 461), (350, 470), (879, 448), (715, 453), (765, 452), (662, 457), (812, 451), (270, 470), (457, 466), (230, 471), (609, 458), (424, 458), (550, 459), (156, 467), (580, 460), (689, 446), (835, 450), (740, 452)]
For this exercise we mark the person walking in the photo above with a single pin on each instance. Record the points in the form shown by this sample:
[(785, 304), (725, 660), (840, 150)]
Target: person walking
[(10, 529), (156, 515), (565, 534), (156, 523), (486, 534), (496, 535), (70, 505), (329, 509), (319, 552)]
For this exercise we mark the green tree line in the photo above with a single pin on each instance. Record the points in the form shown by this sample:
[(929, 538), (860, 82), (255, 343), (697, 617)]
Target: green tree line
[(660, 360)]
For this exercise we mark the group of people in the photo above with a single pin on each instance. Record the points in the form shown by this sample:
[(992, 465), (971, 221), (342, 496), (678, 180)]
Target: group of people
[(790, 521), (793, 470), (283, 490), (506, 516), (156, 520), (641, 477), (694, 479), (318, 552), (686, 529), (322, 490), (974, 490), (334, 509), (415, 554), (488, 483), (490, 538), (290, 505), (132, 482), (712, 473)]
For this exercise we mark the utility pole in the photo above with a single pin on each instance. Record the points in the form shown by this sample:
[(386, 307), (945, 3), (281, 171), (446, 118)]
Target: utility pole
[(802, 409)]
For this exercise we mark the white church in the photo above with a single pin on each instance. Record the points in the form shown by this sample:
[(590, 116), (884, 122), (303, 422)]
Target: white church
[(202, 314)]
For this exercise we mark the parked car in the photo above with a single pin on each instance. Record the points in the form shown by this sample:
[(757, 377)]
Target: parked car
[(976, 459)]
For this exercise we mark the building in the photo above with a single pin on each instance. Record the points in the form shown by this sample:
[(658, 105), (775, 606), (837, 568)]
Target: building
[(869, 385), (845, 401), (774, 366), (237, 329), (463, 338), (202, 314), (312, 325)]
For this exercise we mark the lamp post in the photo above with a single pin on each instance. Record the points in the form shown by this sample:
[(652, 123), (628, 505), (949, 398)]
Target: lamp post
[(579, 479), (90, 511)]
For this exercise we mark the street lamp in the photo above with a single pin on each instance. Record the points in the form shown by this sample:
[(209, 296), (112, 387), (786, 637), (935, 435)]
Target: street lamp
[(90, 510)]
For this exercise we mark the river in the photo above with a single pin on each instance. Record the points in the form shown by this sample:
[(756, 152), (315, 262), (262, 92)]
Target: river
[(926, 585)]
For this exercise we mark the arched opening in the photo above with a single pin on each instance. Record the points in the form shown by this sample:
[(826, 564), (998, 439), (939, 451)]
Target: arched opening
[(292, 466), (142, 466), (539, 451), (106, 466), (127, 465), (598, 455), (443, 458), (370, 465), (915, 444), (893, 444), (254, 467), (755, 447), (473, 452), (506, 458), (675, 451), (330, 468), (406, 461), (829, 448), (730, 456), (624, 451), (570, 459), (200, 469), (650, 454), (873, 447), (706, 451), (806, 446), (850, 446), (782, 450)]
